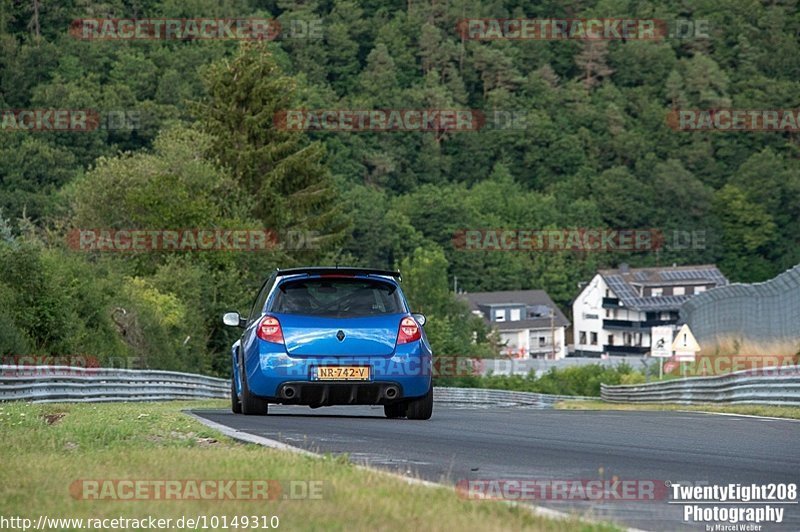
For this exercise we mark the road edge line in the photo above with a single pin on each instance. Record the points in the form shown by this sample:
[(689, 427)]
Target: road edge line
[(739, 415), (238, 435), (249, 438)]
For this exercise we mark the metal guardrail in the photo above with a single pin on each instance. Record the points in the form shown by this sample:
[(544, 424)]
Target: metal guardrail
[(486, 396), (766, 387), (46, 384)]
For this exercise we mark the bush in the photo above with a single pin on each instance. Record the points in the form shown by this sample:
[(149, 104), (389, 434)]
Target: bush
[(632, 378), (54, 303), (575, 380)]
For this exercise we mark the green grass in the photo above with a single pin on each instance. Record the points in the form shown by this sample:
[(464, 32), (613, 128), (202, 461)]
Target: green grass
[(792, 412), (46, 448)]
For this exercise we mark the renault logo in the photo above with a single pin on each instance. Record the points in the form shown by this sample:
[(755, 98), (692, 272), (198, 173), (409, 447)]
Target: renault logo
[(340, 335)]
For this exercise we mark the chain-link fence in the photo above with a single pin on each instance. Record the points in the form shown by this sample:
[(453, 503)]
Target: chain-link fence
[(760, 312)]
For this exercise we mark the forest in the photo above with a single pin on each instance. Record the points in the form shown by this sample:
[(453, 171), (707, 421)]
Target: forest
[(188, 134)]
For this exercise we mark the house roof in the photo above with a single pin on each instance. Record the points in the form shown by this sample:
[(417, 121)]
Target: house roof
[(621, 282), (517, 297)]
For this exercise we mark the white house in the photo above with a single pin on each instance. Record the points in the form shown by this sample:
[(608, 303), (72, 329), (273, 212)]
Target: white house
[(530, 325), (614, 312)]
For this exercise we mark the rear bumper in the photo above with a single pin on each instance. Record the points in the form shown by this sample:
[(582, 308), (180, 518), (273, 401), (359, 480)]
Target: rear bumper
[(281, 378), (338, 393)]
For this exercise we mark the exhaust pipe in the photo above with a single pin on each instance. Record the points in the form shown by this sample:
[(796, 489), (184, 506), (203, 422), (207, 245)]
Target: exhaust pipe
[(391, 392), (289, 392)]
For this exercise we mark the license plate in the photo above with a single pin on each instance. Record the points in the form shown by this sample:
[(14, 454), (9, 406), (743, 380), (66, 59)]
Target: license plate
[(343, 373)]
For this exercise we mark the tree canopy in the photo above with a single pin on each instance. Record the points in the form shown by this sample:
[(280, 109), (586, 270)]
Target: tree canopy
[(576, 136)]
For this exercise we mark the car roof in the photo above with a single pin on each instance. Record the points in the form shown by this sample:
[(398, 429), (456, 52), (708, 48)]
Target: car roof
[(333, 270)]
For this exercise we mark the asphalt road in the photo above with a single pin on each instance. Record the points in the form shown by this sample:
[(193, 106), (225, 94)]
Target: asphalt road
[(513, 443)]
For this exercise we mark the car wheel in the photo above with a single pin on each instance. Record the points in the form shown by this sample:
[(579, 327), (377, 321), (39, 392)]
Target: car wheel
[(251, 405), (421, 408), (236, 404), (395, 410)]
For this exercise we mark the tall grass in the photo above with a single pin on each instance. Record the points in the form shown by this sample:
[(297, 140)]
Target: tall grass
[(729, 354), (727, 346)]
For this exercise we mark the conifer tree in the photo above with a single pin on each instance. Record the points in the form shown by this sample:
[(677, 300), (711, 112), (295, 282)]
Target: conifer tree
[(282, 170)]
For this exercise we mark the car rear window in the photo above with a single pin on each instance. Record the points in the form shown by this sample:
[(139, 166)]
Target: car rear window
[(337, 297)]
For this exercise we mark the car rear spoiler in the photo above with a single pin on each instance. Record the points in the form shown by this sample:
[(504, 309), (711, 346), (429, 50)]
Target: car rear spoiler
[(328, 270)]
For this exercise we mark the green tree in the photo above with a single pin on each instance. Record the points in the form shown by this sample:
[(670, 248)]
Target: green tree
[(451, 328), (281, 170), (748, 235)]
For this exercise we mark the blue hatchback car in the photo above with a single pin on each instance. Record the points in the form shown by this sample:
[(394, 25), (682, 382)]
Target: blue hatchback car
[(332, 336)]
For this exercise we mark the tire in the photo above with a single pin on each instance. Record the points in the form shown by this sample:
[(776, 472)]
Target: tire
[(251, 405), (421, 408), (236, 404), (395, 410)]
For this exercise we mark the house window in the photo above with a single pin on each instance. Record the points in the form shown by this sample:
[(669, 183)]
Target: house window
[(499, 315), (582, 339), (698, 289), (627, 338), (657, 292), (515, 314), (610, 339), (593, 337), (608, 313), (678, 291), (542, 341)]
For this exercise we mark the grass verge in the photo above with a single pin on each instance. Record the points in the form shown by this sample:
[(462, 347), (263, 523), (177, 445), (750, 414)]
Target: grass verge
[(791, 412), (49, 447)]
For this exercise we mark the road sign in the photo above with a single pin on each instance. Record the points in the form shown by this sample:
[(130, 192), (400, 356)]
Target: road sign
[(661, 341), (685, 345)]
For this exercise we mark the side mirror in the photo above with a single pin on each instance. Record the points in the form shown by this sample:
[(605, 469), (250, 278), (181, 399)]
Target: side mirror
[(232, 319), (421, 319)]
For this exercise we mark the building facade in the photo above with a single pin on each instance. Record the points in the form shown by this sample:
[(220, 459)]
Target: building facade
[(529, 323), (614, 312)]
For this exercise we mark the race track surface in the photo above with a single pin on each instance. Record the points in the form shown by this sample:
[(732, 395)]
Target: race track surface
[(461, 443)]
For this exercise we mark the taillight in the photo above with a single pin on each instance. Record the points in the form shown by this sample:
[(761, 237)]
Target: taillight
[(269, 330), (409, 331)]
